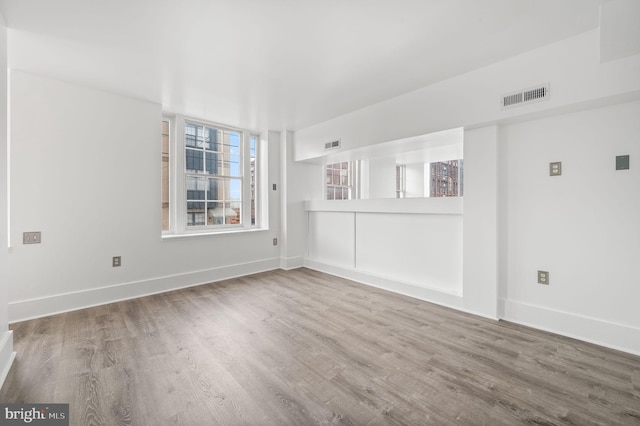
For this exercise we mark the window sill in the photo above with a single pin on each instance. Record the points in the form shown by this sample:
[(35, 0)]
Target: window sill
[(209, 233)]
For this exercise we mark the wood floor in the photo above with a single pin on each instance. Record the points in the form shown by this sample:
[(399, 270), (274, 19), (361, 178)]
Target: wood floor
[(302, 347)]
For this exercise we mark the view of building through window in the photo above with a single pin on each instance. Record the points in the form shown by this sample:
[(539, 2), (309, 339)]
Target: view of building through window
[(446, 178), (210, 176), (213, 174)]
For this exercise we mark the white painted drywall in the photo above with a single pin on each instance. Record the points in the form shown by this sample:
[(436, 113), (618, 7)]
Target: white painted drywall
[(619, 29), (480, 221), (572, 67), (415, 180), (382, 177), (299, 181), (332, 238), (6, 337), (581, 226), (85, 172), (421, 250)]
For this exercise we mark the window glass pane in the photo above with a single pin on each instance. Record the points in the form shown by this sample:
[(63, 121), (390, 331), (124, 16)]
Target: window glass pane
[(336, 177), (194, 162), (215, 213), (232, 142), (165, 175), (234, 215), (195, 213), (190, 134), (344, 177), (216, 189), (330, 192), (196, 188), (338, 194), (214, 163), (235, 189), (234, 166), (253, 144), (345, 193), (211, 139), (446, 178)]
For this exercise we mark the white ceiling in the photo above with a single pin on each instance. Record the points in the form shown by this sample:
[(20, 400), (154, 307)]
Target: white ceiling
[(277, 64)]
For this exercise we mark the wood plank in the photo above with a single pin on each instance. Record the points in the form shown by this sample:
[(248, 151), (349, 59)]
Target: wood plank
[(303, 347)]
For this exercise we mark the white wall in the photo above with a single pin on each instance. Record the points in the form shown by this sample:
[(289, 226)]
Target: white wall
[(85, 172), (332, 238), (382, 177), (300, 181), (6, 337), (572, 67), (481, 221), (417, 183), (411, 246), (419, 249), (582, 226)]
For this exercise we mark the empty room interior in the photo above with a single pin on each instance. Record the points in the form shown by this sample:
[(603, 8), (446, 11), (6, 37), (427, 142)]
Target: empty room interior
[(317, 212)]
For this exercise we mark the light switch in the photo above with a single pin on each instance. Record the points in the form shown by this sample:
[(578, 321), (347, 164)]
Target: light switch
[(622, 162)]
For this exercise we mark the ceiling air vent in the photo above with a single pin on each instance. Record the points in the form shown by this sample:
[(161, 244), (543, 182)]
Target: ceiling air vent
[(534, 94), (332, 145)]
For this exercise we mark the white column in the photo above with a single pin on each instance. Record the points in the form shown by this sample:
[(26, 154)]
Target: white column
[(480, 221)]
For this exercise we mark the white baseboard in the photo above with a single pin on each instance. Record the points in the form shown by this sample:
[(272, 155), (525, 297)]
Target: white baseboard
[(7, 355), (290, 263), (600, 332), (439, 297), (49, 305)]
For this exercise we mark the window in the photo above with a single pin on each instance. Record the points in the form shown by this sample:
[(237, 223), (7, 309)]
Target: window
[(165, 174), (339, 179), (218, 186), (253, 177), (446, 178), (213, 174)]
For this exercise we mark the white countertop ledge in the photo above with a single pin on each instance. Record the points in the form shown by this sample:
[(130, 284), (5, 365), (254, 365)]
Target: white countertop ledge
[(440, 205)]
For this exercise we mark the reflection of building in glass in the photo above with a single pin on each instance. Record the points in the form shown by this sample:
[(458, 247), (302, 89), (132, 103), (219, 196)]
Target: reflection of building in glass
[(446, 178), (213, 175), (339, 181), (165, 175), (401, 180), (253, 144)]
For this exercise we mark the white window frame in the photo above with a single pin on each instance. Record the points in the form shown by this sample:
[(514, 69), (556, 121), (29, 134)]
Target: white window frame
[(177, 180), (401, 180)]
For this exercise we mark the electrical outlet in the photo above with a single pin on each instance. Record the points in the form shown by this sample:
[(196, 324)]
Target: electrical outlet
[(31, 238), (555, 169), (543, 277), (117, 261), (275, 241)]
